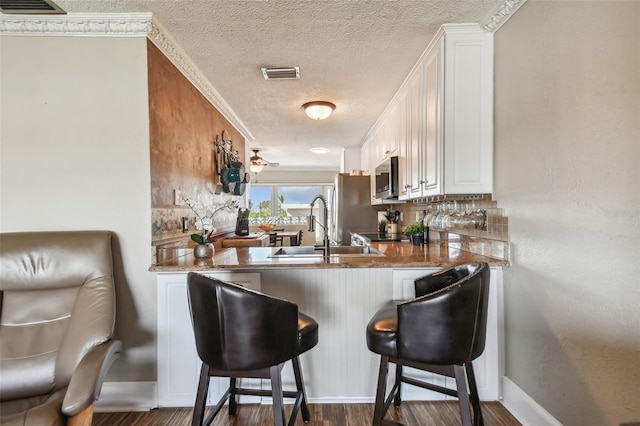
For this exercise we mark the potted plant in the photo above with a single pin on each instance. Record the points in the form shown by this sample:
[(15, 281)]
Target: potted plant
[(382, 228), (415, 232)]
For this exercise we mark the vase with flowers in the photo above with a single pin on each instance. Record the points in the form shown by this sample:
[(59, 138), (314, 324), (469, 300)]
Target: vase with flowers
[(204, 223)]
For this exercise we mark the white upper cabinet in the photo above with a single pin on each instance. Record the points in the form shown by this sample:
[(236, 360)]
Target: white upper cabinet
[(415, 133), (365, 158), (431, 170), (385, 138), (404, 171), (441, 119), (468, 111)]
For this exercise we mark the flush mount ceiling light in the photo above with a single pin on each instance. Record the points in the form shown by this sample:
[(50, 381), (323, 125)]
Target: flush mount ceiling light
[(319, 150), (318, 110)]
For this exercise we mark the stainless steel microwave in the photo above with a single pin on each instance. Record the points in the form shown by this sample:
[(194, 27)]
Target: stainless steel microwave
[(387, 179)]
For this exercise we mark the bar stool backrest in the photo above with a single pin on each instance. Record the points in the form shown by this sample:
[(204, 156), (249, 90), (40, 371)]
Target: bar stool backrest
[(446, 323), (238, 329)]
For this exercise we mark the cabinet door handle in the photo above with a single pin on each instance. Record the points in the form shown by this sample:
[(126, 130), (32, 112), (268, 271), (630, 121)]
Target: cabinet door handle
[(422, 182), (407, 186)]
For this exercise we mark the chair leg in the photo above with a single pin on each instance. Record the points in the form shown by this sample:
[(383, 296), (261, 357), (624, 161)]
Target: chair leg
[(297, 371), (475, 398), (201, 397), (398, 398), (277, 395), (378, 412), (463, 394), (232, 396)]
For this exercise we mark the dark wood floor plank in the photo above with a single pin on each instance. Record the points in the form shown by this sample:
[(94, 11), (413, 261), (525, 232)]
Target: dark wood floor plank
[(439, 413)]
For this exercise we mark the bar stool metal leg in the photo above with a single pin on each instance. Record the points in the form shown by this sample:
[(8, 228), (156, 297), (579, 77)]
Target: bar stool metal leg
[(398, 399), (475, 398), (278, 397), (201, 396), (378, 412), (463, 394), (297, 371), (232, 396)]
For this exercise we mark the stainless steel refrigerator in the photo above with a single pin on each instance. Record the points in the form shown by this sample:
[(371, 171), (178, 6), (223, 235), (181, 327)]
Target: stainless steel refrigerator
[(351, 209)]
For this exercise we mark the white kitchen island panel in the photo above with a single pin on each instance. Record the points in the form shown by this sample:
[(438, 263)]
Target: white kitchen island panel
[(340, 368)]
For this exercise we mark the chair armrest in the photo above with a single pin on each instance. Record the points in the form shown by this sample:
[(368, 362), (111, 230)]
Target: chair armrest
[(86, 381)]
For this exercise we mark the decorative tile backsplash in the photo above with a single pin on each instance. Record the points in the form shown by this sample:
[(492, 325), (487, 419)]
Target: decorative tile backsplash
[(166, 222), (491, 240)]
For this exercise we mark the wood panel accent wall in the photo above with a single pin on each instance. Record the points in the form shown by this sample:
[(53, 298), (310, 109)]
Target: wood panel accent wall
[(182, 126)]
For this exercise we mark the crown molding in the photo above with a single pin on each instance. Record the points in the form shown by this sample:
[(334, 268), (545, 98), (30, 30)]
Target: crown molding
[(77, 24), (122, 25), (501, 14)]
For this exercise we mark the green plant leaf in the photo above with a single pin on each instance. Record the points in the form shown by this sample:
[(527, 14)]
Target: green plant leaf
[(414, 229), (197, 238)]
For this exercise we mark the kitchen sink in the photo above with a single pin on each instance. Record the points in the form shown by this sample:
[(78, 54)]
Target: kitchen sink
[(311, 251)]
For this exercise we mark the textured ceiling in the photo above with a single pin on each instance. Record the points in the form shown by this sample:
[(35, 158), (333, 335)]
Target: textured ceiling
[(355, 54)]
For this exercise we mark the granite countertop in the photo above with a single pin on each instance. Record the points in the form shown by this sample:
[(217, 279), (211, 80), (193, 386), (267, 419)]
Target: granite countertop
[(396, 255)]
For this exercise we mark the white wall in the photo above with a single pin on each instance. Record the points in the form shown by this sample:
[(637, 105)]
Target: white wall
[(75, 155), (281, 176), (567, 161)]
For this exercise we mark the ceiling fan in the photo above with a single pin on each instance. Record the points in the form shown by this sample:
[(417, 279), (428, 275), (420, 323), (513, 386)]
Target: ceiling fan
[(257, 163)]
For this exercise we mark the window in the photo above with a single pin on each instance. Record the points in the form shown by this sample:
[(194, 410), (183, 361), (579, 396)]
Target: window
[(284, 204)]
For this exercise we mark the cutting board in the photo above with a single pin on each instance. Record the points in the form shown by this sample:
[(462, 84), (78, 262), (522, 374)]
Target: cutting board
[(251, 240), (251, 235)]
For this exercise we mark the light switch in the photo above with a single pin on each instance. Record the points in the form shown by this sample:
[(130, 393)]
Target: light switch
[(177, 197)]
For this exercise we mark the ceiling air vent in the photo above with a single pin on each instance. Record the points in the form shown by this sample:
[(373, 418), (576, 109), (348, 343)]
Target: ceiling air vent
[(30, 7), (280, 73)]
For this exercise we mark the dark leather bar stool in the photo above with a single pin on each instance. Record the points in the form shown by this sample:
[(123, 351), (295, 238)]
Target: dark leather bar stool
[(442, 331), (241, 333)]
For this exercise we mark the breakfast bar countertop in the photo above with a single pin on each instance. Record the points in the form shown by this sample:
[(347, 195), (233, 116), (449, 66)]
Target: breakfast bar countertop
[(396, 255)]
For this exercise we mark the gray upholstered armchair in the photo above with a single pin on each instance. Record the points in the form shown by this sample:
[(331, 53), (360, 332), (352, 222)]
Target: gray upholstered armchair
[(57, 310)]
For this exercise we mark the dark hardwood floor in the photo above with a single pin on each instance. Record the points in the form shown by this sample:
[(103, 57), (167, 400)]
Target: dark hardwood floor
[(441, 413)]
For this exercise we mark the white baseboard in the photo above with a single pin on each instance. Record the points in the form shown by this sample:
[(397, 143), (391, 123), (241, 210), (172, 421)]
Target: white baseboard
[(524, 408), (143, 396), (127, 396)]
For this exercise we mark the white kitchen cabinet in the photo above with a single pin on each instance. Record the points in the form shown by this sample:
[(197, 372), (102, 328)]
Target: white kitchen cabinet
[(448, 139), (368, 154), (415, 133), (178, 362), (431, 143), (423, 136), (365, 157), (385, 137), (404, 171), (378, 152), (467, 111), (488, 368)]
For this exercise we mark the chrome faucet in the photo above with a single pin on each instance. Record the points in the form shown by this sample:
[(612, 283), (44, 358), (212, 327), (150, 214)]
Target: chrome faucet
[(325, 225)]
